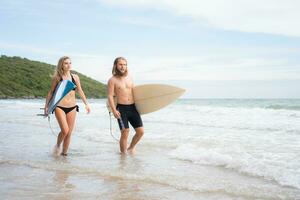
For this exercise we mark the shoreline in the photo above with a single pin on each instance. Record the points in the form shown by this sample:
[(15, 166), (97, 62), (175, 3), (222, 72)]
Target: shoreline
[(37, 98)]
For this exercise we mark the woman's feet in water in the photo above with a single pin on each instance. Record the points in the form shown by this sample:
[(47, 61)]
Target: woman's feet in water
[(128, 151), (64, 154), (56, 150)]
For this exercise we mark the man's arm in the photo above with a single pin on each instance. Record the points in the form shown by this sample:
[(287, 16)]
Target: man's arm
[(110, 97), (132, 86)]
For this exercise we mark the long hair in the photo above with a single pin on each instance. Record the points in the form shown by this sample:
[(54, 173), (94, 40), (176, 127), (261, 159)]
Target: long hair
[(115, 71), (59, 71)]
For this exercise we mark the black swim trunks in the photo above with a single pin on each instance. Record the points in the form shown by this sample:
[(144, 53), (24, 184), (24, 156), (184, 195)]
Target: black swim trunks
[(129, 114)]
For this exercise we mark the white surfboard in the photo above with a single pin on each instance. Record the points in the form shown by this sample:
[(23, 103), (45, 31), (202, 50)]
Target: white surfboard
[(61, 90), (152, 97)]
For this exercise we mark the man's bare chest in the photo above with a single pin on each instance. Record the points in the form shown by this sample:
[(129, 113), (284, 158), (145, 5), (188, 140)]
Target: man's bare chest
[(124, 85)]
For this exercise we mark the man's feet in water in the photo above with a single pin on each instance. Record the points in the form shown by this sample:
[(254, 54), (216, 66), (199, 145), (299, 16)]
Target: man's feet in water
[(56, 150), (131, 150)]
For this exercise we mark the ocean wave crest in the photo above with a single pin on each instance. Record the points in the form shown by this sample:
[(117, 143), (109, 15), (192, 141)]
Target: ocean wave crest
[(279, 171)]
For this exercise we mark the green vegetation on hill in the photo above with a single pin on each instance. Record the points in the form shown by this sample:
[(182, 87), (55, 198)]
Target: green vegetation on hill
[(23, 78)]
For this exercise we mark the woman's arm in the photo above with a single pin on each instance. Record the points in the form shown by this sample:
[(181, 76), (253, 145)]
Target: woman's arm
[(81, 93)]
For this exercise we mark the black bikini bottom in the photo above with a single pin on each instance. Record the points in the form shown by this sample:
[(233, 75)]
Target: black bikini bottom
[(67, 110)]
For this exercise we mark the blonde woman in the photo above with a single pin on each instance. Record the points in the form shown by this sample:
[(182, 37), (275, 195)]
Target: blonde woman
[(65, 111)]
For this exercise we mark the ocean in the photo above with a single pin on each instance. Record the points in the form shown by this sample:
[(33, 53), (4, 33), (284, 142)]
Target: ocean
[(192, 149)]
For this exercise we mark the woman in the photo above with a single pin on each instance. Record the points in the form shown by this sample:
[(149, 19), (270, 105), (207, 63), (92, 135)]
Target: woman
[(65, 111)]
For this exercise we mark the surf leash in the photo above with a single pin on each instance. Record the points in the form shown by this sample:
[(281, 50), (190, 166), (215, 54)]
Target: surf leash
[(110, 128), (48, 116), (51, 127)]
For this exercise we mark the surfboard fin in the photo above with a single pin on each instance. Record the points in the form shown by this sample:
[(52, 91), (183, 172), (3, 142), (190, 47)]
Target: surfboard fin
[(42, 115)]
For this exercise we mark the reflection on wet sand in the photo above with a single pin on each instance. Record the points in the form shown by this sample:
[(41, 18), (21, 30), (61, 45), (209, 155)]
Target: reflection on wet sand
[(61, 180), (129, 165)]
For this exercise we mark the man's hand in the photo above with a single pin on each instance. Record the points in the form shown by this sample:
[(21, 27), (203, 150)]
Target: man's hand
[(117, 114)]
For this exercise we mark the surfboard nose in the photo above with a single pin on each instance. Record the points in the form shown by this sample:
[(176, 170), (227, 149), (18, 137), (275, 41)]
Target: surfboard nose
[(152, 97)]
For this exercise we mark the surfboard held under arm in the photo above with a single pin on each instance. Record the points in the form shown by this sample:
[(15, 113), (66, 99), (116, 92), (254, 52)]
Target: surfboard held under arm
[(61, 90), (152, 97)]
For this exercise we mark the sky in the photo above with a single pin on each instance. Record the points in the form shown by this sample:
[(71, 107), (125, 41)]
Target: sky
[(213, 49)]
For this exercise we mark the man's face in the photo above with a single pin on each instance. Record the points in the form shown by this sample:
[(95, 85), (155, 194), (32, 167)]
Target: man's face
[(122, 66)]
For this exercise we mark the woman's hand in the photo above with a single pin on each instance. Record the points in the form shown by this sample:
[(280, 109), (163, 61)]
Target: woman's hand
[(45, 110), (87, 108)]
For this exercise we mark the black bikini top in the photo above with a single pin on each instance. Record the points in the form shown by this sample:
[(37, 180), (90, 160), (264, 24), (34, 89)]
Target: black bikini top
[(73, 81)]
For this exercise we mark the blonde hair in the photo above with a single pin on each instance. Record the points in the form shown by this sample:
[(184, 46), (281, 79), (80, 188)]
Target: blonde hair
[(115, 71), (59, 71)]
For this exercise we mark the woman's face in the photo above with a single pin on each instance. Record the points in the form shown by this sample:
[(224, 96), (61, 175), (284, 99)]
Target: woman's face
[(67, 65)]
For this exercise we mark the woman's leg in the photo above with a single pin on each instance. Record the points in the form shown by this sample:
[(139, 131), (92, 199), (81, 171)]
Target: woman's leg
[(71, 121), (64, 127)]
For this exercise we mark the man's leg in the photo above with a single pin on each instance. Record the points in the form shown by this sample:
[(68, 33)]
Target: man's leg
[(123, 140), (139, 132)]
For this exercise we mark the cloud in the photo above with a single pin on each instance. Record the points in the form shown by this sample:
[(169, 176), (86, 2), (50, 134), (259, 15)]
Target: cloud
[(212, 67), (209, 66), (254, 16), (29, 48), (97, 66)]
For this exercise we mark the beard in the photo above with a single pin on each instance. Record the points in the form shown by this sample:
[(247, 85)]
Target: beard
[(122, 72)]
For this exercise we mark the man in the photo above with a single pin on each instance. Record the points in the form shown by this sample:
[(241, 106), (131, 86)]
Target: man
[(121, 86)]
